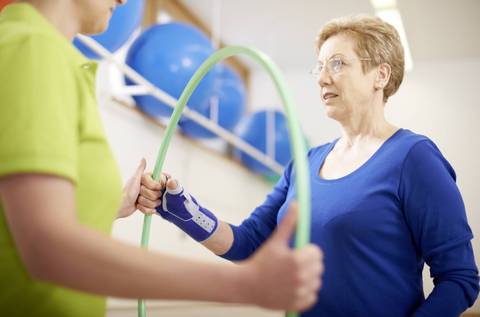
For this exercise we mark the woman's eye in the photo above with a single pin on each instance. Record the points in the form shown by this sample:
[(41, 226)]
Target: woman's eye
[(337, 64)]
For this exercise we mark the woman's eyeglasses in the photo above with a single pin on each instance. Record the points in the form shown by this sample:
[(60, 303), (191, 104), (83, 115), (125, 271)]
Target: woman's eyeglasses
[(333, 66)]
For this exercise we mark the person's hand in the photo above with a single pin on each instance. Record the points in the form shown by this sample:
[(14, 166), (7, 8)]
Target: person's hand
[(140, 192), (151, 193), (278, 277), (182, 209), (130, 192)]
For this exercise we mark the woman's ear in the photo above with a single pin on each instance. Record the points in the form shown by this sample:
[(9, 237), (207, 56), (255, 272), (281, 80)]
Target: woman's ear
[(383, 76)]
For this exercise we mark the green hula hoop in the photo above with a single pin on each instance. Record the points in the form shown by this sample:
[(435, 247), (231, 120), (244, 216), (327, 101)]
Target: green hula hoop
[(302, 236)]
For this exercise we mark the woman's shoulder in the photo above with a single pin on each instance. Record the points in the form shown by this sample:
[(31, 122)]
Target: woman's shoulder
[(403, 141), (410, 137), (410, 141), (421, 153)]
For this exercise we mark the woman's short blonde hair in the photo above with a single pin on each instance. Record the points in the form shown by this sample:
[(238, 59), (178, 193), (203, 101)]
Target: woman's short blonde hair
[(374, 39)]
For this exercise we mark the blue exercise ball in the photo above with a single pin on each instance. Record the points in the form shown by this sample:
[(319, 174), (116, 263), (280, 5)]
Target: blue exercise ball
[(125, 20), (253, 130), (228, 96), (168, 55)]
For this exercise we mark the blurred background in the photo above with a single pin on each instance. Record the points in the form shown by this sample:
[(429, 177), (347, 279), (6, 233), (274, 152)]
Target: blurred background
[(166, 40)]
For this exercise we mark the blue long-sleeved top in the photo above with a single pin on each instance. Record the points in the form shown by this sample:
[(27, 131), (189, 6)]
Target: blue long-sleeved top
[(377, 226)]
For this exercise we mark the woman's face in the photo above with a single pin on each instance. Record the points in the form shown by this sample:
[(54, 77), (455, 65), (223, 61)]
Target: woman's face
[(94, 15), (345, 89)]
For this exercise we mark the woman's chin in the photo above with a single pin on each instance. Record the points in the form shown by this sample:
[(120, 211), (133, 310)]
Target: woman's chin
[(333, 112)]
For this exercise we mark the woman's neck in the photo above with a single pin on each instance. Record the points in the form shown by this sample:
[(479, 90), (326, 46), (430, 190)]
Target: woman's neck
[(369, 126)]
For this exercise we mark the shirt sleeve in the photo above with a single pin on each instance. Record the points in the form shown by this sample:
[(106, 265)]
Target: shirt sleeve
[(38, 110), (260, 224), (435, 213)]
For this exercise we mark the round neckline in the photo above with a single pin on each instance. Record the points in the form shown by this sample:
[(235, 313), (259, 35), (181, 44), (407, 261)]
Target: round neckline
[(357, 170)]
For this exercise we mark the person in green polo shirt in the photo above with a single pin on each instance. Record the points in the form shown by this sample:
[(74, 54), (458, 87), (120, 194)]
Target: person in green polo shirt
[(60, 190)]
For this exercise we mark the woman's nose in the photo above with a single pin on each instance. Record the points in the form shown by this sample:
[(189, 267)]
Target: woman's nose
[(324, 77)]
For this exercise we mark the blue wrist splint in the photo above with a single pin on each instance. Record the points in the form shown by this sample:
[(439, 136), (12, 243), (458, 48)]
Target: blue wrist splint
[(183, 210)]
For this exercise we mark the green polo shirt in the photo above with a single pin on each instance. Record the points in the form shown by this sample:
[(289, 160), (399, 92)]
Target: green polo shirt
[(49, 124)]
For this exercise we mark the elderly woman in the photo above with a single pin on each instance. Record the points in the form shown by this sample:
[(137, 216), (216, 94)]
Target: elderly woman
[(384, 199)]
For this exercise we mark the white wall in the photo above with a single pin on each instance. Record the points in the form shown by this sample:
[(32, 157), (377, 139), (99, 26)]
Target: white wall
[(438, 99)]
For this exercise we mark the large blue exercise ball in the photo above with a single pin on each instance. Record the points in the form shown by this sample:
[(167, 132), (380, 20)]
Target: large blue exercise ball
[(168, 55), (253, 130), (228, 97), (124, 21)]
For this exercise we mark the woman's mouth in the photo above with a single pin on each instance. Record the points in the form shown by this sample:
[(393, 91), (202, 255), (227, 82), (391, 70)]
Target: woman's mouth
[(329, 96)]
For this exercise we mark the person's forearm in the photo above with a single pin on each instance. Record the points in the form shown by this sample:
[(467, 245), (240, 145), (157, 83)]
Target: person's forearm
[(84, 259), (221, 241), (448, 298)]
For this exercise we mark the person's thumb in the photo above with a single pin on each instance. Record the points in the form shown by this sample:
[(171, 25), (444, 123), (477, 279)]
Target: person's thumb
[(172, 184), (140, 169), (286, 227)]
